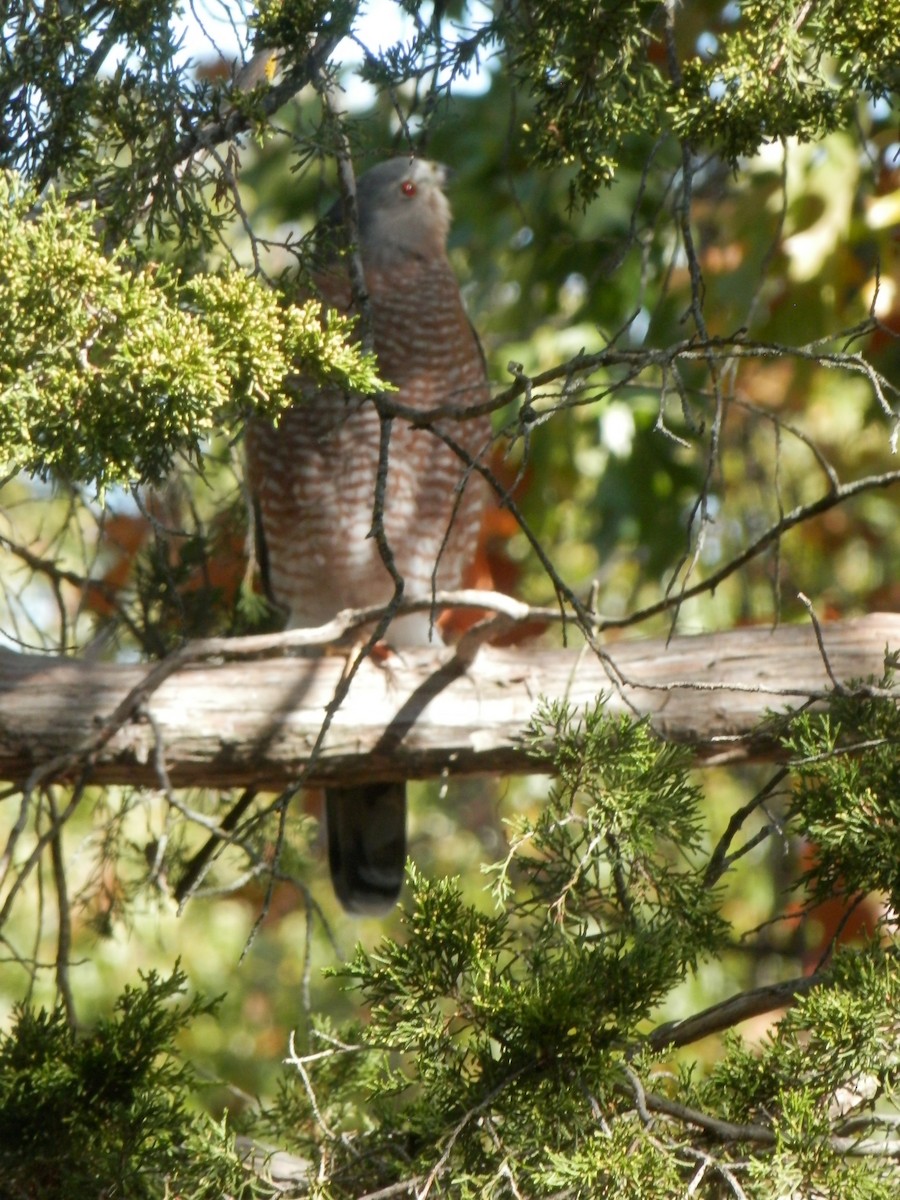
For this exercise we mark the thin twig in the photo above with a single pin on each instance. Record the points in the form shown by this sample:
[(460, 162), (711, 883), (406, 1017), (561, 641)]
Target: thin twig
[(195, 869), (41, 844), (719, 860), (64, 931), (817, 628)]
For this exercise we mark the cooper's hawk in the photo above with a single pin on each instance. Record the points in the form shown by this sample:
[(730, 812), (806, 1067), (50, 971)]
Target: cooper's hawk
[(314, 478)]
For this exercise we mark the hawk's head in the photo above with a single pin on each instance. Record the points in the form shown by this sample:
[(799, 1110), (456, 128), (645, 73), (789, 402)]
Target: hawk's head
[(402, 210)]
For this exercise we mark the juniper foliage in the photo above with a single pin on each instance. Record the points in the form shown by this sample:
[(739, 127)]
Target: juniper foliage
[(523, 1051), (109, 1111)]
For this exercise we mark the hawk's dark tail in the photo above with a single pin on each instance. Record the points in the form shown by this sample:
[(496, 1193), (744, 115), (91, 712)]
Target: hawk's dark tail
[(367, 845)]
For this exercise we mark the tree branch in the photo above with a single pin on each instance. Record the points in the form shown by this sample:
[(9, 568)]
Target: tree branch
[(734, 1010), (229, 718)]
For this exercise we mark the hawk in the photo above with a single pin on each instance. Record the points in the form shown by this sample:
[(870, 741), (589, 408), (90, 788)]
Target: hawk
[(314, 478)]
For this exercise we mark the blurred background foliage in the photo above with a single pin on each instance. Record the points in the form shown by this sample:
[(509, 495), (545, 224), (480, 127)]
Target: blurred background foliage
[(724, 238)]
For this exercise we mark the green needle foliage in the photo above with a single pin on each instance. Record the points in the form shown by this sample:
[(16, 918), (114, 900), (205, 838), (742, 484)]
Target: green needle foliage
[(523, 1051), (107, 1112), (606, 80), (789, 71), (847, 800), (520, 1052), (818, 1082), (108, 370)]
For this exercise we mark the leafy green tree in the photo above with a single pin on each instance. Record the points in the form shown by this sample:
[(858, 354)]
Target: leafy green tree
[(675, 227)]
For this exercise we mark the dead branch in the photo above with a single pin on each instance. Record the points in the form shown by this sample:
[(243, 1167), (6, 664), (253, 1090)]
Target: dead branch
[(216, 717)]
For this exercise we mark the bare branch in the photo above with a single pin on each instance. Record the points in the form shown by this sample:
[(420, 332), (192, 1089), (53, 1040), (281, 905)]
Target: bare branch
[(64, 933), (728, 1013)]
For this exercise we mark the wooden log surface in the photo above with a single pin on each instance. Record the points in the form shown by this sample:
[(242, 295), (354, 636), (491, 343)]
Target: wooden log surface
[(232, 723)]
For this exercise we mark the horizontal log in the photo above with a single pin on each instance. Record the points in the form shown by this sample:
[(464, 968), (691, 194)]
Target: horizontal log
[(415, 715)]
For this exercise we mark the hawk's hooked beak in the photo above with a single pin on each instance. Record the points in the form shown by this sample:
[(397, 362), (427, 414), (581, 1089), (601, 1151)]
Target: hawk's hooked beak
[(441, 174)]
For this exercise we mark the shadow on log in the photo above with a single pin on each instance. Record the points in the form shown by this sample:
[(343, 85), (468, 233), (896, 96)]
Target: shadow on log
[(255, 720)]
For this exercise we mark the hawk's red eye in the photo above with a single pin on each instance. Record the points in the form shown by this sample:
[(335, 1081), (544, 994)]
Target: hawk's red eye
[(408, 188)]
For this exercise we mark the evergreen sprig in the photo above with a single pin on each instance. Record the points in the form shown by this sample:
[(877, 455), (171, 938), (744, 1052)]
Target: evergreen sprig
[(108, 370), (106, 1112), (847, 795), (508, 1052), (605, 81)]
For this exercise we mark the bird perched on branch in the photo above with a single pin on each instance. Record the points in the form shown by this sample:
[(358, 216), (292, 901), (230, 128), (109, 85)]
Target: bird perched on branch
[(314, 478)]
